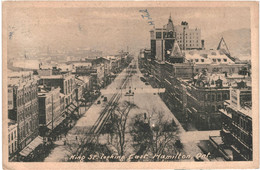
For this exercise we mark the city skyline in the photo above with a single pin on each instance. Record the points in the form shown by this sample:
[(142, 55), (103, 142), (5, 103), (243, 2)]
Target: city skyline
[(93, 28)]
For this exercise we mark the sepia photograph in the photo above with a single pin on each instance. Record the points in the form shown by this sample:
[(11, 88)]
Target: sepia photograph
[(172, 83)]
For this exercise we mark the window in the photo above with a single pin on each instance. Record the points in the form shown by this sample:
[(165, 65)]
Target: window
[(206, 97), (219, 60), (213, 108), (225, 60), (219, 97), (158, 35), (214, 60), (12, 136), (9, 138), (197, 60), (213, 97)]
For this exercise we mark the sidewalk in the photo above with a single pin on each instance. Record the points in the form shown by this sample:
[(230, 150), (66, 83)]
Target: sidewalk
[(88, 119)]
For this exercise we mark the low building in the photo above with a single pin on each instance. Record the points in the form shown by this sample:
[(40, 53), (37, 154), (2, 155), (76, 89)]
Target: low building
[(64, 80), (12, 139)]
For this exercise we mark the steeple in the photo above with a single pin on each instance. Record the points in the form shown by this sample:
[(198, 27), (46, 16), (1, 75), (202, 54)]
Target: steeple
[(169, 26)]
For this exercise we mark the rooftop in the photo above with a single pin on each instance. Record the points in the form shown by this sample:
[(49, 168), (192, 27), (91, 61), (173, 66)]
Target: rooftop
[(207, 57)]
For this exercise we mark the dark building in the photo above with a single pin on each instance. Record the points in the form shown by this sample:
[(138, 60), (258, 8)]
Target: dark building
[(51, 114), (236, 131), (162, 40)]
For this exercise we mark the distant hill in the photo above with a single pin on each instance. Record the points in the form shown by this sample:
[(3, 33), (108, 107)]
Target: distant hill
[(238, 42)]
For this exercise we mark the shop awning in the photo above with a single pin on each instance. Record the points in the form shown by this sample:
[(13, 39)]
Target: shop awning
[(56, 122), (31, 146)]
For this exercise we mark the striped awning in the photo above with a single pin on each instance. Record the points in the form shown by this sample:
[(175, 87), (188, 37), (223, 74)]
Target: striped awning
[(31, 146)]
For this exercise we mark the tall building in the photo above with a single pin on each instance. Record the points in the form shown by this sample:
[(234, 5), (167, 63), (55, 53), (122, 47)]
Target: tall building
[(188, 38), (23, 108), (162, 40)]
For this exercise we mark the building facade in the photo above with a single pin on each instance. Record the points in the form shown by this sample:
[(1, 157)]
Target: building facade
[(188, 38), (23, 106), (162, 40), (12, 139), (236, 129), (50, 112)]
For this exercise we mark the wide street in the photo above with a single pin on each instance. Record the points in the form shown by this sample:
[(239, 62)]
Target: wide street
[(147, 100)]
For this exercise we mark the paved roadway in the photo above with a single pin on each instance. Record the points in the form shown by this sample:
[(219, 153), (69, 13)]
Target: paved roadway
[(147, 100)]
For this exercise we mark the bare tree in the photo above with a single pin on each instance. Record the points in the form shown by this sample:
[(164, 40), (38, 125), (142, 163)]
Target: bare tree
[(154, 133), (119, 118)]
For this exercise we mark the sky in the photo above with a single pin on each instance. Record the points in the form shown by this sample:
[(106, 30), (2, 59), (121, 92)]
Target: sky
[(108, 29)]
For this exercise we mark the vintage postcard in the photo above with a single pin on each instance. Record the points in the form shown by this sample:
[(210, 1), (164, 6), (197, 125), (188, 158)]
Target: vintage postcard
[(130, 85)]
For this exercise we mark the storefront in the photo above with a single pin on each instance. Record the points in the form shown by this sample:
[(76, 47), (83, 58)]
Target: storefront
[(30, 151)]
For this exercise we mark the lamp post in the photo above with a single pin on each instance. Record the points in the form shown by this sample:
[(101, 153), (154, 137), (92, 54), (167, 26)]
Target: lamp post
[(155, 128)]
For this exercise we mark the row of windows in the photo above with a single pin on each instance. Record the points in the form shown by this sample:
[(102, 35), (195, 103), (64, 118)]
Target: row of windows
[(69, 86), (12, 147), (188, 33), (219, 60), (242, 122), (187, 41), (197, 60), (191, 39), (214, 69), (12, 136), (189, 45), (212, 97), (26, 97), (244, 138), (214, 108), (29, 127), (32, 109)]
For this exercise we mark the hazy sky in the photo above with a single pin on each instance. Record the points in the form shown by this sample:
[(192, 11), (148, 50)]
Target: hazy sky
[(109, 29)]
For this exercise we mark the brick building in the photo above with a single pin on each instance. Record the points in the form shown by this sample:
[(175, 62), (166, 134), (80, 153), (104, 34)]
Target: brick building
[(236, 132), (50, 112), (23, 108)]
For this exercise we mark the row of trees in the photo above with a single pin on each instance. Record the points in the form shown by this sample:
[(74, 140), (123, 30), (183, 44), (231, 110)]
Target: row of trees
[(149, 133)]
